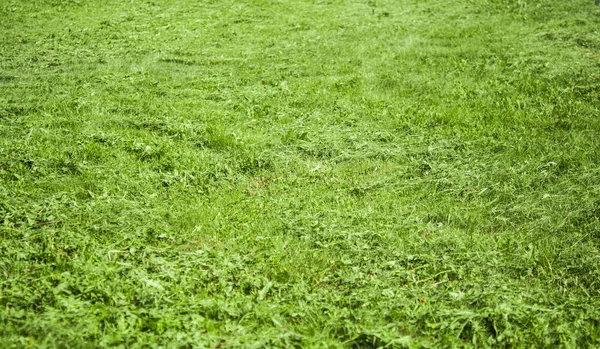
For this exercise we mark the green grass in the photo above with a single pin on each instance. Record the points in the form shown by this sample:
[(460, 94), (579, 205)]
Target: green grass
[(268, 173)]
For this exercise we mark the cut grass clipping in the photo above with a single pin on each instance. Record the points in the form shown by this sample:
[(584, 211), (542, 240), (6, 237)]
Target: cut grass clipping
[(202, 174)]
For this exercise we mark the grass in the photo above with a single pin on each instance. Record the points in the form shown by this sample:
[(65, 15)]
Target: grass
[(299, 173)]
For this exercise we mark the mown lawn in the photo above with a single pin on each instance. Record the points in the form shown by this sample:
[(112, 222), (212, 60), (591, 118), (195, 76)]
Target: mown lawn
[(276, 173)]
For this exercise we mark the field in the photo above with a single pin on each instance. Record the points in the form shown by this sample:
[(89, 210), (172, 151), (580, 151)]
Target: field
[(275, 173)]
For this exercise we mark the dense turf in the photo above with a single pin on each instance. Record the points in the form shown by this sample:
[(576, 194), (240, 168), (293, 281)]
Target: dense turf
[(299, 173)]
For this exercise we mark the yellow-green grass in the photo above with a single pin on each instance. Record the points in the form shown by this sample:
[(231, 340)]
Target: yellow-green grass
[(190, 174)]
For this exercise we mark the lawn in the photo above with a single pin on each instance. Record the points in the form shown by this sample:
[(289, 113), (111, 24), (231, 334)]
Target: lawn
[(276, 173)]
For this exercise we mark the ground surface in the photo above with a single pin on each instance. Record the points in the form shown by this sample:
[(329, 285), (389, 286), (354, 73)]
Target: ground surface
[(299, 173)]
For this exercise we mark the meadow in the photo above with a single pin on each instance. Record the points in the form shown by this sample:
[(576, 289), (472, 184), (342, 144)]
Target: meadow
[(299, 174)]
